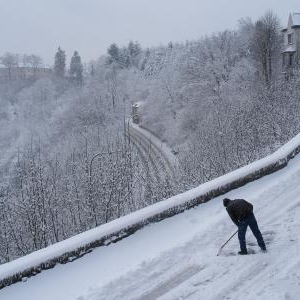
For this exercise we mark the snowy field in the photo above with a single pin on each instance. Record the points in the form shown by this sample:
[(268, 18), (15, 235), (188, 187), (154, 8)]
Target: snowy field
[(176, 258)]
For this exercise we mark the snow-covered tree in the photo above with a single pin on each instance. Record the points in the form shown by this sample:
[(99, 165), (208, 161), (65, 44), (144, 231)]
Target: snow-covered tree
[(60, 63), (32, 61), (76, 68), (113, 52), (10, 60), (266, 46)]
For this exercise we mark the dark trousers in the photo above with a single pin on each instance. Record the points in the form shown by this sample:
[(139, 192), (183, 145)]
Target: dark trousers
[(242, 226)]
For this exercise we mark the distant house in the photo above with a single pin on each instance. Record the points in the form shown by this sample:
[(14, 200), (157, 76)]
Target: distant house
[(23, 72), (291, 51)]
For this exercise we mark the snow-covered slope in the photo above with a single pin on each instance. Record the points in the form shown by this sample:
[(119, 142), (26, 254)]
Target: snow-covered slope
[(176, 258)]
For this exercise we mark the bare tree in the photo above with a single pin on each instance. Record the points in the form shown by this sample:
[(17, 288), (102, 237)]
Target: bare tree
[(266, 44), (33, 61), (10, 60)]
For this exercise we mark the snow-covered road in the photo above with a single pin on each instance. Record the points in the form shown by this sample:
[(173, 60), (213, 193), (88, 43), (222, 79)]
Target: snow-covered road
[(176, 258)]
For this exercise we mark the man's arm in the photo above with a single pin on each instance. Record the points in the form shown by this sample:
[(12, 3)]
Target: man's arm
[(232, 216)]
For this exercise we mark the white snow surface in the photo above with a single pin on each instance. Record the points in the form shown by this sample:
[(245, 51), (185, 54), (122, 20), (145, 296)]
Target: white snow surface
[(289, 49), (176, 258)]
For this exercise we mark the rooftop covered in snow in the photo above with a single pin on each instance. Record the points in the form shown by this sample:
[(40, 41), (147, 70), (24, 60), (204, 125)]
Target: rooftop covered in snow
[(294, 21), (289, 49)]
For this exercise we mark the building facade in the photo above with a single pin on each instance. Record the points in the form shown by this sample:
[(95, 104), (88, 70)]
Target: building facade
[(291, 51), (23, 72)]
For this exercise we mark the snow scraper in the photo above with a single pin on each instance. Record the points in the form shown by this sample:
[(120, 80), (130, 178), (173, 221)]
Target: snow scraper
[(226, 242)]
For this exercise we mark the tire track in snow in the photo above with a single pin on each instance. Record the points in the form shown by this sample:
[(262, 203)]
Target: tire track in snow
[(200, 285), (169, 284)]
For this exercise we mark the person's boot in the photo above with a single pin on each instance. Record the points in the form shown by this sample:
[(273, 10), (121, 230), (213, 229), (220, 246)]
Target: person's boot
[(243, 252)]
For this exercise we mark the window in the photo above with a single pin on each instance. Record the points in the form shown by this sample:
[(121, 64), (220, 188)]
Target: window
[(290, 38), (291, 59)]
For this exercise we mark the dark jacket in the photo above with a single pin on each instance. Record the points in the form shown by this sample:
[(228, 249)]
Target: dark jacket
[(238, 210)]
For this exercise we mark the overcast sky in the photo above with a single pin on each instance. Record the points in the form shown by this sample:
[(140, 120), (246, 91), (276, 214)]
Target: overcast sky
[(90, 26)]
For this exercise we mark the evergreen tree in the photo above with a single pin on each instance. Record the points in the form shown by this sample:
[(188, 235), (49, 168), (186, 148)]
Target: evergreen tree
[(124, 57), (60, 63), (134, 49), (92, 70), (76, 68), (113, 52), (124, 60), (144, 59)]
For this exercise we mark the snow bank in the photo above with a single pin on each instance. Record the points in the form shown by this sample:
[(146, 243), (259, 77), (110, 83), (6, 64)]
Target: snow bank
[(77, 246)]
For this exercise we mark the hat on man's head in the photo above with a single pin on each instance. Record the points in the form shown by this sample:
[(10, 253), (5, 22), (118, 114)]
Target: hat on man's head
[(226, 201)]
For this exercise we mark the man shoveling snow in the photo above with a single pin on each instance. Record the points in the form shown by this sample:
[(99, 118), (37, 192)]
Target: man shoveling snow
[(241, 213)]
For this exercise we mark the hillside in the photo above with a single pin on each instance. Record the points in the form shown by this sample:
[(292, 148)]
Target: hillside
[(176, 258), (66, 163), (95, 207)]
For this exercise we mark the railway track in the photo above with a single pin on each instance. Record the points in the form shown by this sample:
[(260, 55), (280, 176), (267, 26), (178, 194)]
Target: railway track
[(159, 163)]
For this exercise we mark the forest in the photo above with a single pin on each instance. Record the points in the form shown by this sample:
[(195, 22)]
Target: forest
[(67, 164)]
